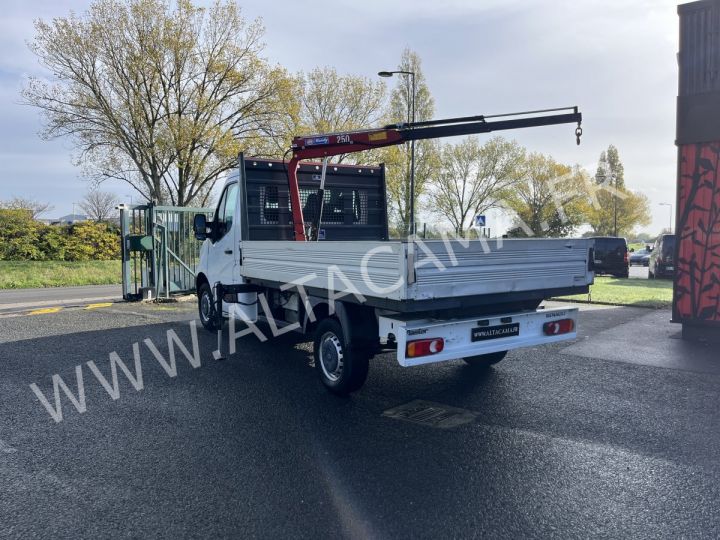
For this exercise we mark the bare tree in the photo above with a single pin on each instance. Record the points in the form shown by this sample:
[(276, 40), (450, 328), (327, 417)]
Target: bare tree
[(99, 205), (36, 208), (162, 95), (473, 178)]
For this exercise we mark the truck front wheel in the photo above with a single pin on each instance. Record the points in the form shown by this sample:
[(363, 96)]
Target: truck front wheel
[(485, 360), (206, 307), (341, 369)]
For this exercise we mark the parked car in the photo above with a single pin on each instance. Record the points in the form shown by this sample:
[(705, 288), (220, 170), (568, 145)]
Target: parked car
[(641, 256), (662, 258), (611, 256)]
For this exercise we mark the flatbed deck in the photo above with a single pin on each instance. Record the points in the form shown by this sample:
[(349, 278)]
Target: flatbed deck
[(410, 276)]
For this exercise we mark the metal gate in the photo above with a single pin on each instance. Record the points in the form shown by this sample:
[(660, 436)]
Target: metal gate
[(159, 250)]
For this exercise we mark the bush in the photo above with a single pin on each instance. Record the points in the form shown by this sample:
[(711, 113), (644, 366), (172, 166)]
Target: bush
[(24, 239), (90, 241), (53, 243), (19, 236)]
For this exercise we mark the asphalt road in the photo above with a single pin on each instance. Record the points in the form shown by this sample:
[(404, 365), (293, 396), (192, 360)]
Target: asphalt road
[(16, 299), (564, 444)]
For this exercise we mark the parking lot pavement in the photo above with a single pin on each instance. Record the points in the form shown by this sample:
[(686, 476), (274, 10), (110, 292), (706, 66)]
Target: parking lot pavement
[(562, 445)]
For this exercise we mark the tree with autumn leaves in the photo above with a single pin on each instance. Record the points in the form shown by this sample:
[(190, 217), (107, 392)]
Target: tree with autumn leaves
[(617, 210)]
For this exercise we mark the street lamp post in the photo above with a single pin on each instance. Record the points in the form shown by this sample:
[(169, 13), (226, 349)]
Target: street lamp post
[(411, 119), (671, 213)]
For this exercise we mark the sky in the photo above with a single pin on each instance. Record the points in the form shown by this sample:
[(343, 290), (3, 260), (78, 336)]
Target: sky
[(615, 59)]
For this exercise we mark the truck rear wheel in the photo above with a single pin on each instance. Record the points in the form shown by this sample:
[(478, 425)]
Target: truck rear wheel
[(206, 307), (341, 369), (485, 360)]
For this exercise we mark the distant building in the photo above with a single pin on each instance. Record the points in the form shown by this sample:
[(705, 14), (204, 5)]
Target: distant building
[(68, 220)]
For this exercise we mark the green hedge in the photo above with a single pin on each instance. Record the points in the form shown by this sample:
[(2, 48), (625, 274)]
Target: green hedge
[(24, 239)]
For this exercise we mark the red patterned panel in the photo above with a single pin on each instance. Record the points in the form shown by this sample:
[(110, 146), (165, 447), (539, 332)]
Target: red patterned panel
[(697, 281)]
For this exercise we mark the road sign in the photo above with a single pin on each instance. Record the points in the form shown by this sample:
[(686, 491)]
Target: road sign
[(480, 221)]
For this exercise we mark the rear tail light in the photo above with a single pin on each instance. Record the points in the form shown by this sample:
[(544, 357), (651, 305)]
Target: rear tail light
[(556, 328), (627, 257), (424, 347)]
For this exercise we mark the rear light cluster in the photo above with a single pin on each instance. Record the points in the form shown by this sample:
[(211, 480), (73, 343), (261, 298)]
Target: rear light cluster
[(556, 328), (424, 347)]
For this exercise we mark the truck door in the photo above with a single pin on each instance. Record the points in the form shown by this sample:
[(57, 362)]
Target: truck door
[(224, 255), (223, 252)]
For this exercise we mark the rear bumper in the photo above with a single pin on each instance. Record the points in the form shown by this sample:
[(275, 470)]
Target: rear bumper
[(457, 334)]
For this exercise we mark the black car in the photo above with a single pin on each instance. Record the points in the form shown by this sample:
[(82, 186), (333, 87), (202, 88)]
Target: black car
[(611, 256), (662, 258), (640, 256)]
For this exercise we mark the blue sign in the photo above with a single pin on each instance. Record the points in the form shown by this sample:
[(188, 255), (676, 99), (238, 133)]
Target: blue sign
[(316, 140), (480, 221)]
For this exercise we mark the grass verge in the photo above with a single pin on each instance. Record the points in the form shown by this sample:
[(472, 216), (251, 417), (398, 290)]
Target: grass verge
[(650, 293), (31, 274)]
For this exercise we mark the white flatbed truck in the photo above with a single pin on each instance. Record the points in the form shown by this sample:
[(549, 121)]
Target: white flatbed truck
[(358, 293)]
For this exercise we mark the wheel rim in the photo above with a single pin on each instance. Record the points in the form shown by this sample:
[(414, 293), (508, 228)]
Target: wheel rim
[(205, 307), (331, 356)]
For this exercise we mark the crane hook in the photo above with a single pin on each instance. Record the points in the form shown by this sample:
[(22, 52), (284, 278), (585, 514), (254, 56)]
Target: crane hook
[(578, 134)]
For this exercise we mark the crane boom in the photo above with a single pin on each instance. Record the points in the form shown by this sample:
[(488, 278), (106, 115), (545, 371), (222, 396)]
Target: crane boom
[(335, 144)]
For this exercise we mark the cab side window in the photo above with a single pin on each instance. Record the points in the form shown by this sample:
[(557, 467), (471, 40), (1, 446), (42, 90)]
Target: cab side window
[(230, 204), (225, 212)]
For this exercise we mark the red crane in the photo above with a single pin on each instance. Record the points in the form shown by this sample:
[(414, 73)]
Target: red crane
[(335, 144)]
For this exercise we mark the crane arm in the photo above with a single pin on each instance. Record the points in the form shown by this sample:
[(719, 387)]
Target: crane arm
[(335, 144)]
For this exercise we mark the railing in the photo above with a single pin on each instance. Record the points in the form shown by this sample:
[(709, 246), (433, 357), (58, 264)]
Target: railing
[(159, 250)]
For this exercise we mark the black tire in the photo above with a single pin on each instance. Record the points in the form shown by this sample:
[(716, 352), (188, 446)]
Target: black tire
[(485, 360), (341, 369), (206, 307)]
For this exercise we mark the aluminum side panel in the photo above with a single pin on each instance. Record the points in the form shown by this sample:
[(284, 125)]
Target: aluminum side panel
[(318, 264), (447, 269)]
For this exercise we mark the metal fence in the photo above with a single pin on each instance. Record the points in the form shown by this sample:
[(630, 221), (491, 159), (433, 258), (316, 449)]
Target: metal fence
[(159, 250)]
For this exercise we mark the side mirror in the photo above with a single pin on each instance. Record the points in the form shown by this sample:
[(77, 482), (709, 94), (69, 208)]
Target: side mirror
[(200, 226)]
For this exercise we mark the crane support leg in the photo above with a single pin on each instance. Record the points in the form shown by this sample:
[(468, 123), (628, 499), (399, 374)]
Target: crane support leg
[(294, 190)]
